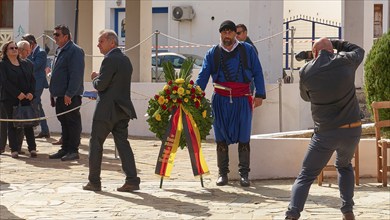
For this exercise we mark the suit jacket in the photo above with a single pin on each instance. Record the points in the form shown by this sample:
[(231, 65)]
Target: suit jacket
[(328, 82), (113, 86), (15, 82), (39, 59), (67, 75)]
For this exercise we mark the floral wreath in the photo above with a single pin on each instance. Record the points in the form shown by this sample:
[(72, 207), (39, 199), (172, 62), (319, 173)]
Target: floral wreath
[(179, 91)]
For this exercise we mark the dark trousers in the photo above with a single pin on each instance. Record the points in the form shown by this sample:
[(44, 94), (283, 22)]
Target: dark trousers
[(3, 127), (38, 102), (100, 131), (321, 148), (70, 124), (15, 135)]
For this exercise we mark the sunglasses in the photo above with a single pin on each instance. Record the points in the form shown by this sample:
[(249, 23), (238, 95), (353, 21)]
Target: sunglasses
[(56, 34), (13, 48)]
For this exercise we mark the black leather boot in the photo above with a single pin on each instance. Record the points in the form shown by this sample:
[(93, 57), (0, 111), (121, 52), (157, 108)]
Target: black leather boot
[(244, 161), (223, 163)]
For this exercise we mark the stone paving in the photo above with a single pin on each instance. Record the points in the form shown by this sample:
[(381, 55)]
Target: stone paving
[(39, 188)]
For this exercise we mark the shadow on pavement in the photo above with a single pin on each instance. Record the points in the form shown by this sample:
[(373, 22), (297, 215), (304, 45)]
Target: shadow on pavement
[(43, 161), (4, 186), (6, 214), (163, 204)]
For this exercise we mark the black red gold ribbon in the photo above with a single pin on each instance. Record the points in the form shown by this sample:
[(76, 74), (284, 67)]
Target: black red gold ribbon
[(181, 120)]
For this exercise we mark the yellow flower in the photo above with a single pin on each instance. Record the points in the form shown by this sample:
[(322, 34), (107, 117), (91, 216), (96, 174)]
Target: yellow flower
[(179, 81), (174, 100), (188, 91), (189, 86), (204, 114), (174, 91), (180, 91), (185, 99), (198, 88), (161, 100), (157, 117), (166, 87)]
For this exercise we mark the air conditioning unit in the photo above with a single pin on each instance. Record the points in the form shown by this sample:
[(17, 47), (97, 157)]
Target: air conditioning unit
[(180, 13)]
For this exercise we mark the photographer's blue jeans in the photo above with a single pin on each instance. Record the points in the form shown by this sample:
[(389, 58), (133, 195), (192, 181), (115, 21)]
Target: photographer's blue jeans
[(321, 147)]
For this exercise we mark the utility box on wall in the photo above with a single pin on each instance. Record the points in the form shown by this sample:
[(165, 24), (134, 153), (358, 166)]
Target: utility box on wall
[(180, 13)]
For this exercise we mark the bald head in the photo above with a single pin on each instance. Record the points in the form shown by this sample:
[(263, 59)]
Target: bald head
[(322, 44)]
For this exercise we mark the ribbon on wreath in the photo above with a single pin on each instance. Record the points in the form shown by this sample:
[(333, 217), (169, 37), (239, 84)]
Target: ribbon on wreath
[(181, 120)]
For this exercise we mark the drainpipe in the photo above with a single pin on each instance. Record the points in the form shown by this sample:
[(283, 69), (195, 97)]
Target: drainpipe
[(76, 21)]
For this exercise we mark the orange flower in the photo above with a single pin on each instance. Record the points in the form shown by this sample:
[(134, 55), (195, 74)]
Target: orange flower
[(180, 91), (161, 100)]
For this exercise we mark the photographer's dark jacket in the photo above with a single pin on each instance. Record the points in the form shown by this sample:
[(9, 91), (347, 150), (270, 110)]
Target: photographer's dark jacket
[(328, 83)]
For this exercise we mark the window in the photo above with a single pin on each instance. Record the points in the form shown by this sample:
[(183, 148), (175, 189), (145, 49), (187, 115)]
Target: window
[(175, 60), (378, 20), (7, 13)]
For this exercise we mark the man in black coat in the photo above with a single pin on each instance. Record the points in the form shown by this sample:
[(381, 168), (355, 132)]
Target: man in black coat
[(113, 111)]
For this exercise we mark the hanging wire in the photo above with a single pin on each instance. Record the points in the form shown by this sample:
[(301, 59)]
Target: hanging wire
[(46, 117), (260, 40), (183, 41)]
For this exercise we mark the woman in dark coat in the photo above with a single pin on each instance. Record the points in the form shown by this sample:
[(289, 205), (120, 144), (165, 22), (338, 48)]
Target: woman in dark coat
[(19, 86)]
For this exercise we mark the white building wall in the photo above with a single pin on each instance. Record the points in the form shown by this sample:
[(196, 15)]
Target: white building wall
[(29, 17), (203, 29), (328, 10)]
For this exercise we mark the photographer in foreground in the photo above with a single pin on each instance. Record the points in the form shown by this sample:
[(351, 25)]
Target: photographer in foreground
[(327, 82)]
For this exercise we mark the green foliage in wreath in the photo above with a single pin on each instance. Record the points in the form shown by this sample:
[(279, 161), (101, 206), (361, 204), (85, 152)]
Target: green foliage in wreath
[(179, 90), (377, 75)]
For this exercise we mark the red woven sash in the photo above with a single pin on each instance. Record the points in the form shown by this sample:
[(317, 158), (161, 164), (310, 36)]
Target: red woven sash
[(233, 89)]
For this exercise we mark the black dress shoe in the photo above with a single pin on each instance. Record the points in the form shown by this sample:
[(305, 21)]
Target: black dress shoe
[(42, 135), (349, 216), (70, 156), (92, 187), (244, 181), (128, 188), (57, 155), (222, 180)]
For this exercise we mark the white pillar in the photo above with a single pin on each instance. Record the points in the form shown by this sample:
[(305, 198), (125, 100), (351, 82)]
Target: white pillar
[(263, 26), (138, 27), (99, 23), (358, 28), (29, 17)]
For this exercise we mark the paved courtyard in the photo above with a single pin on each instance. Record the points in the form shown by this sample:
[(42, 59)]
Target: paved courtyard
[(39, 188)]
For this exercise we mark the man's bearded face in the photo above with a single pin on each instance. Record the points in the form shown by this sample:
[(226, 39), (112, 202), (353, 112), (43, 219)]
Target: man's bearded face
[(228, 37)]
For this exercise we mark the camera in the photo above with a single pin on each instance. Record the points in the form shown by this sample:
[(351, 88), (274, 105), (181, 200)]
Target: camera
[(304, 55)]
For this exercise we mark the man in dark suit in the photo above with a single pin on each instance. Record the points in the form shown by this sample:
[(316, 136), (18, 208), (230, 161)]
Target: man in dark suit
[(66, 88), (113, 111), (38, 57)]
